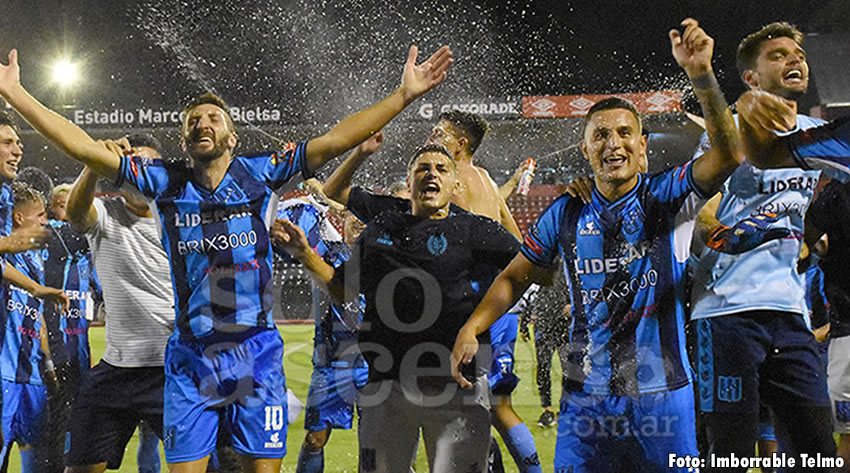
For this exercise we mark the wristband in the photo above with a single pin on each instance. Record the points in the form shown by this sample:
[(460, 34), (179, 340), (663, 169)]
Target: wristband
[(48, 365)]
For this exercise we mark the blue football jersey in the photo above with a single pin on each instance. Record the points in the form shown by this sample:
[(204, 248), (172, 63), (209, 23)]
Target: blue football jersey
[(336, 328), (624, 262), (68, 265), (21, 353), (7, 204), (217, 240), (826, 147)]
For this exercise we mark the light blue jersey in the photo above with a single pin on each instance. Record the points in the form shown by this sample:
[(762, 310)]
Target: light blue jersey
[(764, 278)]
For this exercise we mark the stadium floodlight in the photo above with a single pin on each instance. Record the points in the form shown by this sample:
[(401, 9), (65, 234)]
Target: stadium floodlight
[(65, 73)]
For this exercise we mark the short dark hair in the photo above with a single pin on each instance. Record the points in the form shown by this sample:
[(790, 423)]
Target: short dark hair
[(37, 179), (210, 98), (749, 47), (611, 103), (431, 148), (138, 140), (472, 125), (25, 193), (7, 119)]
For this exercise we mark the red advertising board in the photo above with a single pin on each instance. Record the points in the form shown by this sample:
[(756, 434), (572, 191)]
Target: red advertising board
[(562, 106)]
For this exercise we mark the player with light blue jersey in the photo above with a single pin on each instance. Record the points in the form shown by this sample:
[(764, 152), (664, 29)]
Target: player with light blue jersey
[(224, 361), (627, 402), (339, 370), (753, 343)]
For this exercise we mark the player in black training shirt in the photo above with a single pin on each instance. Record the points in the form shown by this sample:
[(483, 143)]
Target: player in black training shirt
[(418, 263)]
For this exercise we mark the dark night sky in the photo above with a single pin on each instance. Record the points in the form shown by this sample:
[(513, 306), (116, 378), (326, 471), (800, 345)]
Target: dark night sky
[(300, 52), (319, 60)]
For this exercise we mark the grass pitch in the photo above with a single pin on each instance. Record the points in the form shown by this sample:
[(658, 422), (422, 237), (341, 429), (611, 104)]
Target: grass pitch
[(341, 451)]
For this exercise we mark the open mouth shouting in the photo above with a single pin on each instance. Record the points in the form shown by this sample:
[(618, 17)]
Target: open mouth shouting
[(431, 189), (794, 77), (614, 161)]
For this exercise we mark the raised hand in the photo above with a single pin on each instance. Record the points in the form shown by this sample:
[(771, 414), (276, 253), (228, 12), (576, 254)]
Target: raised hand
[(418, 79), (289, 237), (121, 146), (10, 74), (373, 144), (693, 48), (767, 111)]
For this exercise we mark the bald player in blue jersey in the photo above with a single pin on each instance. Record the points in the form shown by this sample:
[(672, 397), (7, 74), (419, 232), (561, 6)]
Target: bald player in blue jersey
[(628, 404), (224, 362)]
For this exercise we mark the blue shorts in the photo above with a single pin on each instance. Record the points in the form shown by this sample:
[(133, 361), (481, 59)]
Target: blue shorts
[(501, 377), (758, 357), (601, 434), (24, 412), (333, 391), (233, 379)]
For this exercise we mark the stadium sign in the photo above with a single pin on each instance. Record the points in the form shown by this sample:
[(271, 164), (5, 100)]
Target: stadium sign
[(165, 117), (503, 107), (563, 106)]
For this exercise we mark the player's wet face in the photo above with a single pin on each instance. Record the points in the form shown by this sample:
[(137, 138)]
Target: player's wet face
[(30, 214), (446, 134), (614, 145), (781, 69), (11, 151), (432, 179), (207, 133)]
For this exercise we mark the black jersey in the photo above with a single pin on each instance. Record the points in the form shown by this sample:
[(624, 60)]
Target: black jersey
[(421, 279), (827, 213)]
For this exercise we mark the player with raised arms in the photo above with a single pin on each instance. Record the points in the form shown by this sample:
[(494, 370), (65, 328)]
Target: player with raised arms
[(624, 256), (224, 361)]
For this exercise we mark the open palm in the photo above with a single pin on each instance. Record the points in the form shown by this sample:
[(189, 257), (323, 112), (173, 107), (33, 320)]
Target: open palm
[(10, 74), (418, 79)]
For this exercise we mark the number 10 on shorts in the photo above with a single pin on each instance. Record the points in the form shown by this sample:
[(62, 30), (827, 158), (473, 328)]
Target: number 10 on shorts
[(274, 417)]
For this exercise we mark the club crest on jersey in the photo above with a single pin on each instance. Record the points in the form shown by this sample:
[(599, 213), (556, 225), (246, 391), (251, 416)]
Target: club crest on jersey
[(437, 244), (589, 229), (729, 388), (229, 193)]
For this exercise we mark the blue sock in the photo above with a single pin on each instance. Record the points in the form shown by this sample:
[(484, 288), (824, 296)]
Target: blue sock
[(28, 460), (309, 461), (521, 445)]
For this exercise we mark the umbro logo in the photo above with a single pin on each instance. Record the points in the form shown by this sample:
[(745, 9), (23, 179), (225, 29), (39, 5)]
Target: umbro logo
[(274, 441), (589, 229)]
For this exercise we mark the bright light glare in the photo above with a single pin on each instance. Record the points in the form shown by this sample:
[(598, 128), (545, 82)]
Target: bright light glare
[(65, 73)]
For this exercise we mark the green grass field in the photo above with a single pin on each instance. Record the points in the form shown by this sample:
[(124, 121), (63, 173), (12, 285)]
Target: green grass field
[(341, 451)]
